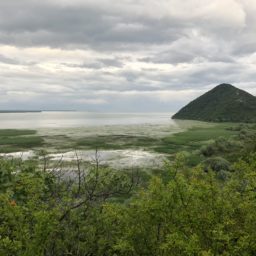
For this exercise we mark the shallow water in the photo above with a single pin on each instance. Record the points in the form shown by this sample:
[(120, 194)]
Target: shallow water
[(113, 158), (26, 155)]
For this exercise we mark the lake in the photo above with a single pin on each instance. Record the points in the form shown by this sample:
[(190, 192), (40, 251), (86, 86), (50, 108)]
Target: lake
[(79, 119)]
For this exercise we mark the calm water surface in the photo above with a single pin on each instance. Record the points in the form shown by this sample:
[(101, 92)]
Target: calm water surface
[(79, 119)]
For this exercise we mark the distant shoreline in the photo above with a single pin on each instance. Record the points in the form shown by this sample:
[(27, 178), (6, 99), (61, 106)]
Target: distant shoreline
[(33, 111), (20, 111)]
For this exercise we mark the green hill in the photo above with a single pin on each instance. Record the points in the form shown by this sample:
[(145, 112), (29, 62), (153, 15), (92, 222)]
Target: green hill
[(224, 103)]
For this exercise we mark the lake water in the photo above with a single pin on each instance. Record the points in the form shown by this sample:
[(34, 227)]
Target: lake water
[(79, 119)]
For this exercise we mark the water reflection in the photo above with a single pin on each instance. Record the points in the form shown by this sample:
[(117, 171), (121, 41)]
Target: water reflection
[(79, 119)]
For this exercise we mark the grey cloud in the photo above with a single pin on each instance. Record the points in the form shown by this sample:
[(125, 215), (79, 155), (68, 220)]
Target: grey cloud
[(97, 26), (126, 47), (78, 27), (97, 64), (92, 65), (7, 60), (111, 62), (12, 61)]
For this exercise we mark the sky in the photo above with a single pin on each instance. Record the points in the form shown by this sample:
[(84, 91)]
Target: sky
[(123, 55)]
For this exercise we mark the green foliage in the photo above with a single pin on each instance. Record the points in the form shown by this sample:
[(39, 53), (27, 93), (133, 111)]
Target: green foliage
[(205, 210), (44, 213), (196, 134), (216, 164), (224, 103), (6, 175), (233, 147), (193, 214), (185, 211), (221, 146), (195, 138)]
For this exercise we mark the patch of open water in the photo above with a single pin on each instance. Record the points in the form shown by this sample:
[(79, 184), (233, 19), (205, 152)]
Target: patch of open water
[(113, 158)]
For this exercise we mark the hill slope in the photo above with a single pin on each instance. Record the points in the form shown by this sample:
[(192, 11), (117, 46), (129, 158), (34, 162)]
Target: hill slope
[(224, 103)]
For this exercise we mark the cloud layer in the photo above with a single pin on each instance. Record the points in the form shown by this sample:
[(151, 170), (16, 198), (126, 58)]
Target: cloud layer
[(112, 55)]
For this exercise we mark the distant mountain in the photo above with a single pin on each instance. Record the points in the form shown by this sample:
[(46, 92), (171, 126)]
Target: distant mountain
[(224, 103)]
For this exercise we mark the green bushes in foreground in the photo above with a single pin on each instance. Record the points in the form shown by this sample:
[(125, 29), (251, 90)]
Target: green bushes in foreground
[(190, 213)]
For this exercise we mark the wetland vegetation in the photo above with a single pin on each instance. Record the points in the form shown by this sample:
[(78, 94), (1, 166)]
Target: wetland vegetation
[(199, 201), (179, 210), (12, 140), (162, 139)]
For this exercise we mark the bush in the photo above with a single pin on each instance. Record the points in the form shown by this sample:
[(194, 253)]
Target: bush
[(191, 213), (216, 164)]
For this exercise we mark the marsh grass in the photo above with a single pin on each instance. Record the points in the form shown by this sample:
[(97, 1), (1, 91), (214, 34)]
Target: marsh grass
[(12, 140), (117, 142), (198, 135), (189, 140), (16, 132), (194, 138)]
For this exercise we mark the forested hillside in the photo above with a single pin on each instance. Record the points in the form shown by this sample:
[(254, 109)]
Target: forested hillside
[(224, 103)]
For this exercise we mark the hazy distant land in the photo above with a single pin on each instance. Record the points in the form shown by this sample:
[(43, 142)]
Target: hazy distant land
[(34, 111)]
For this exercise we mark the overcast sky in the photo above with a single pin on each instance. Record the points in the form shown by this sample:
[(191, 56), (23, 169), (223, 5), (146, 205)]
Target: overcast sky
[(123, 55)]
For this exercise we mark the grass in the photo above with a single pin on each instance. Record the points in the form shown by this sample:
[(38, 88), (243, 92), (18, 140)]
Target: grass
[(188, 140), (116, 142), (200, 134), (26, 142), (14, 132), (12, 140), (194, 138)]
